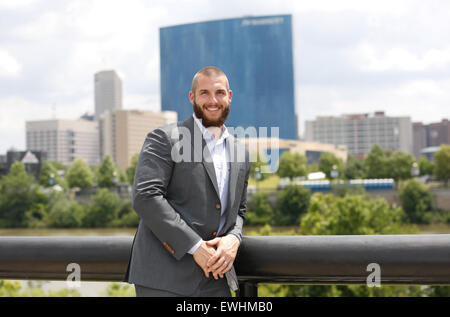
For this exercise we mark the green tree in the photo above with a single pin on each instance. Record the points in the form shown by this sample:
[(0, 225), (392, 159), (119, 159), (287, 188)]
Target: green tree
[(354, 168), (327, 162), (106, 173), (122, 177), (131, 170), (376, 163), (49, 175), (126, 216), (312, 168), (48, 172), (349, 215), (64, 212), (261, 161), (19, 195), (291, 165), (293, 201), (399, 165), (79, 174), (425, 166), (259, 212), (35, 216), (442, 163), (103, 210), (416, 200)]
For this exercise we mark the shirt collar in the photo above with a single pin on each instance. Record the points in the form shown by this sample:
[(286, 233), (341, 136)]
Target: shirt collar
[(207, 134)]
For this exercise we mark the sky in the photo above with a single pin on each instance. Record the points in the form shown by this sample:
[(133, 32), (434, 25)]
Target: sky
[(350, 56)]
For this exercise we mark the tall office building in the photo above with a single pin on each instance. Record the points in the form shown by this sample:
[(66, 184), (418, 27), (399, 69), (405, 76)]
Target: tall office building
[(439, 133), (64, 140), (254, 52), (360, 131), (123, 132), (430, 135), (108, 92), (420, 138)]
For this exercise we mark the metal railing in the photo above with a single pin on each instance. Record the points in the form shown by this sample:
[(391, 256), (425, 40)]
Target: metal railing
[(401, 259)]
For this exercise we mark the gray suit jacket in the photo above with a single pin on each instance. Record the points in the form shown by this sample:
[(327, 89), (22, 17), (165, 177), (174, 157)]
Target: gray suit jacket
[(178, 204)]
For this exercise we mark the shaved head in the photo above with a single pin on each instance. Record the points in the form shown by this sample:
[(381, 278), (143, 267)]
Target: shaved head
[(209, 71)]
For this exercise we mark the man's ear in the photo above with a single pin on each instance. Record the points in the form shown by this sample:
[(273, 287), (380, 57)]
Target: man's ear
[(230, 94), (191, 97)]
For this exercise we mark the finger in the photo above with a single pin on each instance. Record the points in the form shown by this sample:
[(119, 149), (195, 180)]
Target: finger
[(215, 258), (222, 270), (225, 268), (229, 266), (213, 242), (221, 266), (218, 264)]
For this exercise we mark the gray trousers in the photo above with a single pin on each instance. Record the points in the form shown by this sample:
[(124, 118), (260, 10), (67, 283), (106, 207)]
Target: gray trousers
[(207, 288)]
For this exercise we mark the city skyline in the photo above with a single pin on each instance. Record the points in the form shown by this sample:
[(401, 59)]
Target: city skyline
[(349, 57)]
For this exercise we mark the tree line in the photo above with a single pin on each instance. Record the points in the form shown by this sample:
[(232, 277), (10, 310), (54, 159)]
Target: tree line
[(29, 203), (379, 163)]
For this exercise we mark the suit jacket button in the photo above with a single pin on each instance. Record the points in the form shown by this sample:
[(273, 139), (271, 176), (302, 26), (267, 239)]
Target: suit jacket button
[(214, 234), (218, 206)]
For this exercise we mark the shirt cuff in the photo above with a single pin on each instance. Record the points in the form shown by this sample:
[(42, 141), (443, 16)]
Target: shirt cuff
[(195, 247)]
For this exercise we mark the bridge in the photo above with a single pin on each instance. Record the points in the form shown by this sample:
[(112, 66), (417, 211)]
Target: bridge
[(351, 259)]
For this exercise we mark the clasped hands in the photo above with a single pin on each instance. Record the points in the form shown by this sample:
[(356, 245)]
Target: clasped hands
[(217, 255)]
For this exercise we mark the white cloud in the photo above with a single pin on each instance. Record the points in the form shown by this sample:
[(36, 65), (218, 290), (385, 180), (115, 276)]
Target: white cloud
[(422, 100), (401, 59), (396, 7), (46, 25), (425, 89), (15, 4), (9, 66), (15, 111), (118, 25), (142, 102)]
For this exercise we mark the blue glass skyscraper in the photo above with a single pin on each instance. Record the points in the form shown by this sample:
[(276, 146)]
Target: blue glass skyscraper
[(256, 55)]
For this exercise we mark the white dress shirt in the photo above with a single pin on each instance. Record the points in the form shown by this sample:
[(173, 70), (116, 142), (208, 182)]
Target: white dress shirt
[(221, 162)]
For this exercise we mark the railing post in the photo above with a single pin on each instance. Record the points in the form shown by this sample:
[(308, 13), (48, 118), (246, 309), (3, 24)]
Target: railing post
[(248, 290)]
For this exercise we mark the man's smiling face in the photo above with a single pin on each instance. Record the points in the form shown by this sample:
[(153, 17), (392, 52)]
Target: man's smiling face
[(211, 100)]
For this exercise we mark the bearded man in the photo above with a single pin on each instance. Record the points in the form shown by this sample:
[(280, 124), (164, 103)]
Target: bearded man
[(192, 210)]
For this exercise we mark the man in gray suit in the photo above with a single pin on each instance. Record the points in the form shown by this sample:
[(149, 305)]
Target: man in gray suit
[(190, 193)]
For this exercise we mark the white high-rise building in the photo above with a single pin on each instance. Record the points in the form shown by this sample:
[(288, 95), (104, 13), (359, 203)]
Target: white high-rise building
[(360, 131), (108, 92), (64, 140)]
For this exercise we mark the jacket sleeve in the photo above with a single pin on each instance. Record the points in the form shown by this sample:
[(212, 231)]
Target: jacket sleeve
[(153, 173), (237, 229)]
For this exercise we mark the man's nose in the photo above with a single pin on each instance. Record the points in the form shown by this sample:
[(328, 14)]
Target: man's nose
[(213, 99)]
